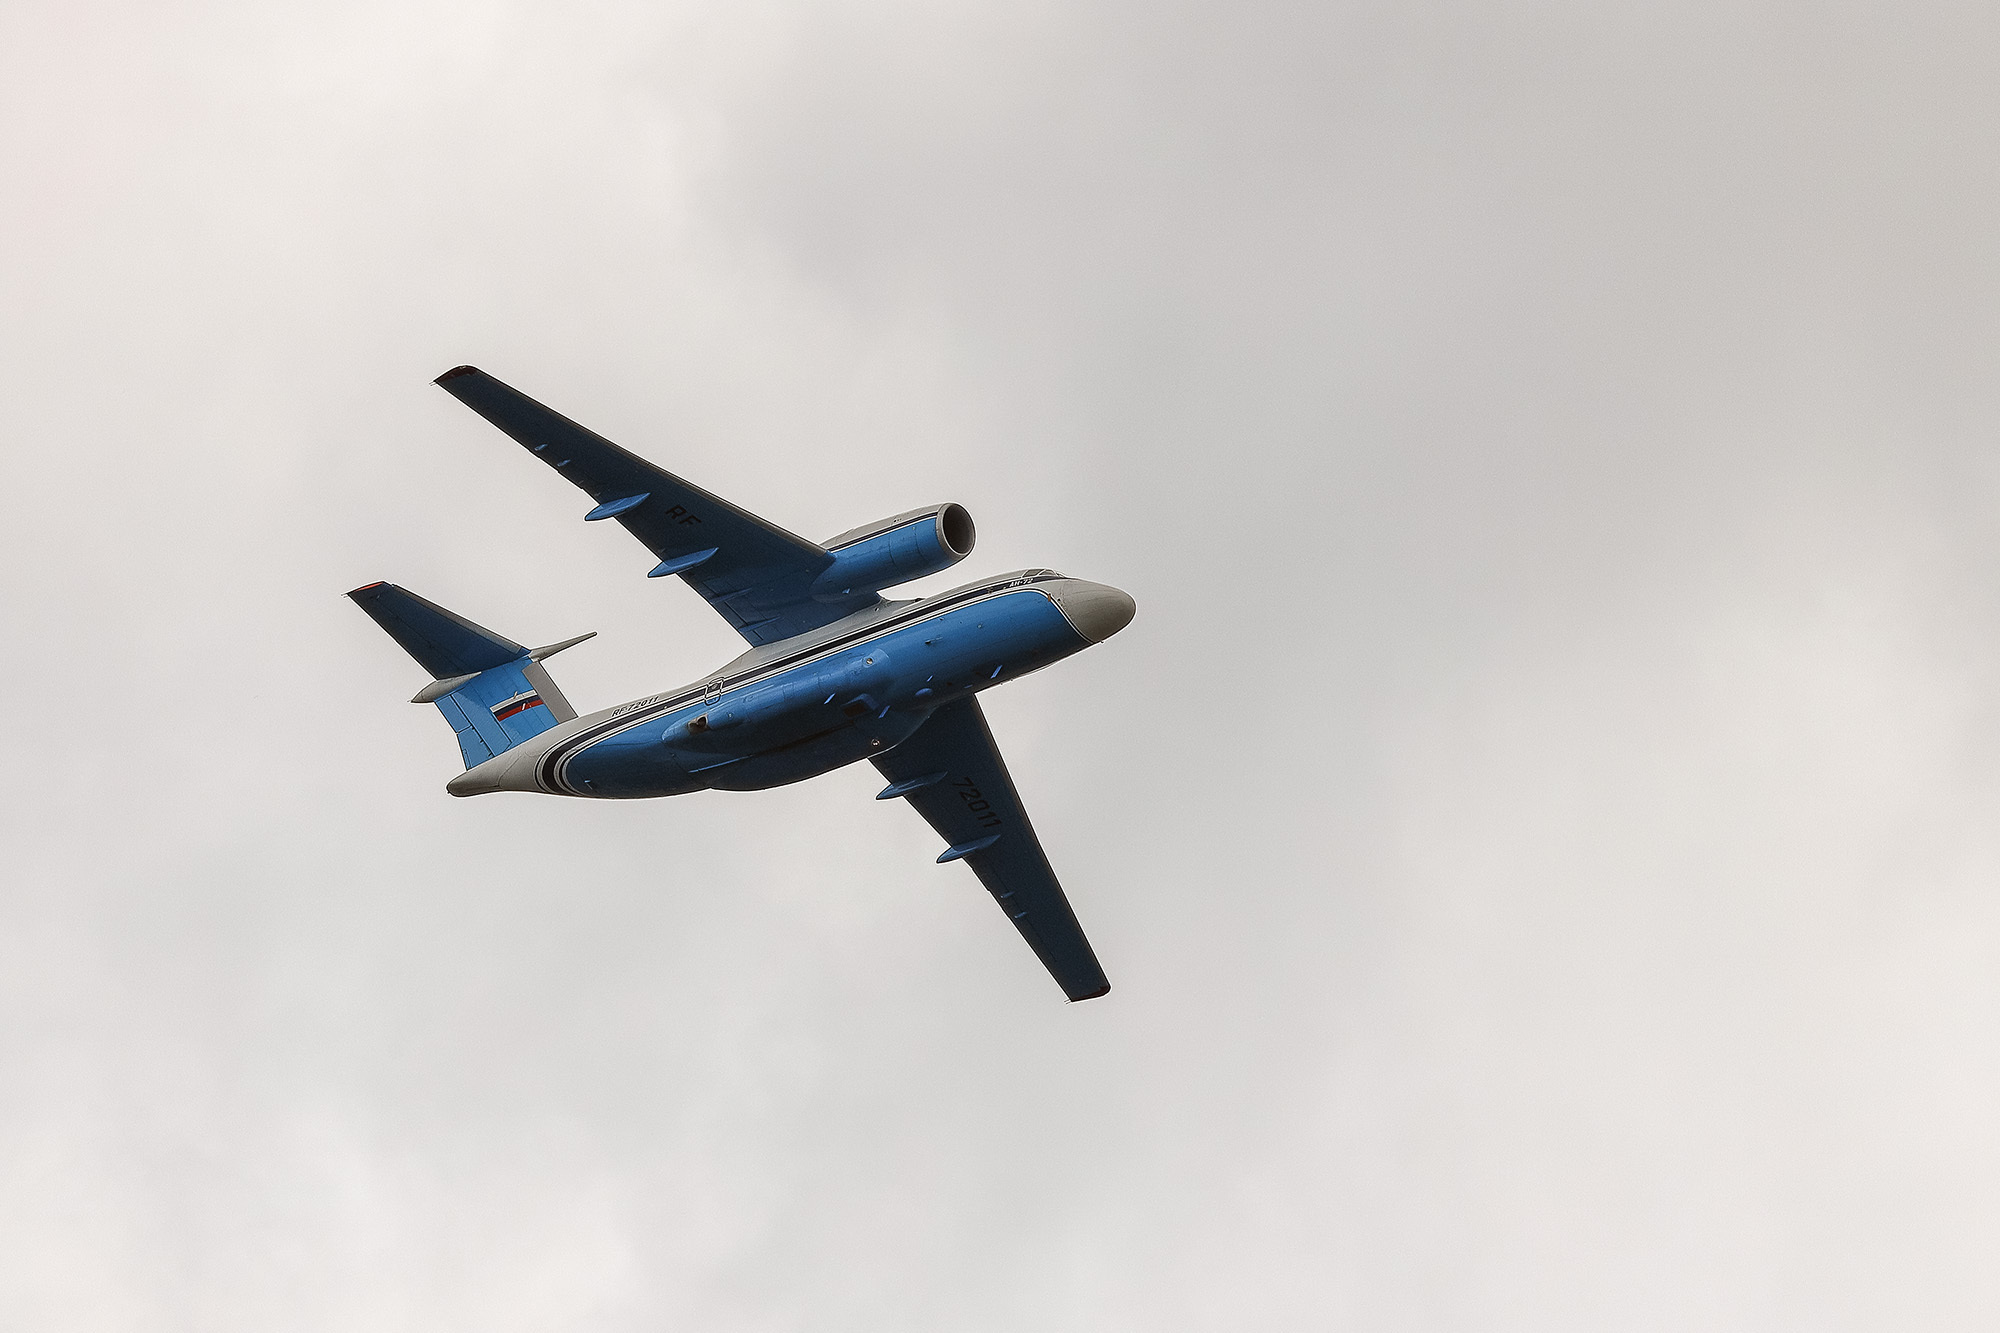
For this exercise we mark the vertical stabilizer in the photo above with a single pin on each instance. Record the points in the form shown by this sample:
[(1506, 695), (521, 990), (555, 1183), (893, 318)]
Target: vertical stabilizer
[(494, 692)]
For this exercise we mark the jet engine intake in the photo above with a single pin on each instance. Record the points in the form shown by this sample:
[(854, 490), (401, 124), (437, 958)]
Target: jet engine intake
[(895, 551)]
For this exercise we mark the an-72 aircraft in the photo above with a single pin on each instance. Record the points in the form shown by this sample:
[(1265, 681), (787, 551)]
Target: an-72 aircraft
[(834, 672)]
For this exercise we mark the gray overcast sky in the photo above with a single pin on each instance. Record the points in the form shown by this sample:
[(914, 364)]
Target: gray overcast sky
[(1540, 825)]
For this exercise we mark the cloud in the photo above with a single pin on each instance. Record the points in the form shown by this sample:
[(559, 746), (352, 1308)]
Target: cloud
[(1536, 825)]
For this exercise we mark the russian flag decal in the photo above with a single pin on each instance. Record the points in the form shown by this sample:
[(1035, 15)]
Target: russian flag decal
[(520, 703)]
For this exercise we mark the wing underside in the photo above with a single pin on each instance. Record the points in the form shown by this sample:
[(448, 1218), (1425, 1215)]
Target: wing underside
[(952, 772), (755, 574)]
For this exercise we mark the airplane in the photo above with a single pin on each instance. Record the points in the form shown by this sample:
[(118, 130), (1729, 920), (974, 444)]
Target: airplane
[(834, 673)]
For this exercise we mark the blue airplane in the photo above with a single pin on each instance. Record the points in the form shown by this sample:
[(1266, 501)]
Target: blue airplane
[(834, 672)]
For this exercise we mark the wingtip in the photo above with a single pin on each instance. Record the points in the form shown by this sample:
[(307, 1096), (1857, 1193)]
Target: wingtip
[(455, 372), (366, 587), (1093, 995)]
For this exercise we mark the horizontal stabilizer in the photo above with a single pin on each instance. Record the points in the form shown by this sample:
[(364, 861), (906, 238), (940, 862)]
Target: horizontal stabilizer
[(443, 642), (554, 648)]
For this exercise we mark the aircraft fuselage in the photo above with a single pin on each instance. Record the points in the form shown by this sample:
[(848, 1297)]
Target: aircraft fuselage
[(794, 709)]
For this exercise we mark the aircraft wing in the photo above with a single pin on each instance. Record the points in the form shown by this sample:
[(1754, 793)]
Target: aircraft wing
[(951, 771), (755, 573)]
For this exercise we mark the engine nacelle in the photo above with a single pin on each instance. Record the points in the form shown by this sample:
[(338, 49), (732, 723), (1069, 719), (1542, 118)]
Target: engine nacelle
[(895, 551)]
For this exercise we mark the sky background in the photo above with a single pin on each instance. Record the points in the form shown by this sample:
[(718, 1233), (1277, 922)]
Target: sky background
[(1540, 825)]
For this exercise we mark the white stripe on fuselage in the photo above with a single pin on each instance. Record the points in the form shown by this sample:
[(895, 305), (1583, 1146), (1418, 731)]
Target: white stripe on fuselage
[(641, 711)]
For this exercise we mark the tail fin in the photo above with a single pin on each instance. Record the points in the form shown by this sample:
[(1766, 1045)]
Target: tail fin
[(494, 692)]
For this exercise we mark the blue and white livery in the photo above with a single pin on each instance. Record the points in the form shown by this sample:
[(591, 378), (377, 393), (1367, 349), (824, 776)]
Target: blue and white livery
[(834, 673)]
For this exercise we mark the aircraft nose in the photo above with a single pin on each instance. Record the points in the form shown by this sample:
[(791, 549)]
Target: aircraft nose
[(1096, 610)]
